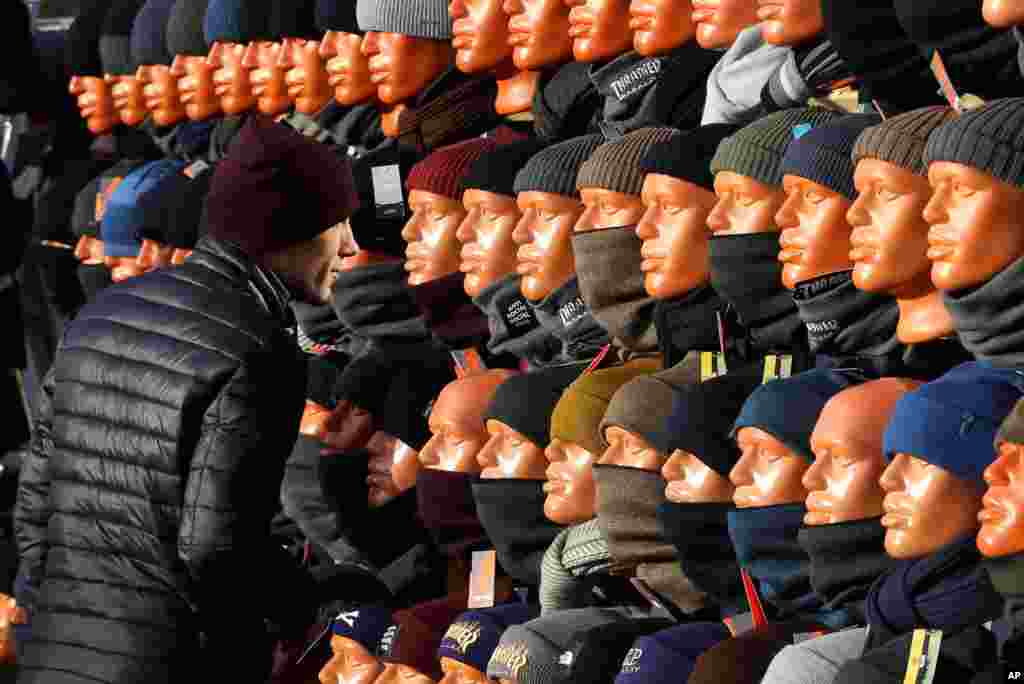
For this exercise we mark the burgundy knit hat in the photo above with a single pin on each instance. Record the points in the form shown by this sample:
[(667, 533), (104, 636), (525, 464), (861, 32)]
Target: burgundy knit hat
[(415, 634), (277, 188), (441, 173)]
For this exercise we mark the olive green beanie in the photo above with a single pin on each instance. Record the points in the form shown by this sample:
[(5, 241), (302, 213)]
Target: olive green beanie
[(615, 165)]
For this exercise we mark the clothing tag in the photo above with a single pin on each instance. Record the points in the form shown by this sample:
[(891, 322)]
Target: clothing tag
[(712, 365), (800, 637), (195, 168), (739, 624), (107, 188), (387, 191), (481, 579), (753, 600), (800, 130), (777, 367), (924, 656), (598, 361), (946, 83)]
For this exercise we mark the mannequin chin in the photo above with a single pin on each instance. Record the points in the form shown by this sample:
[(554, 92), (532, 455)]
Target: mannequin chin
[(267, 77), (126, 93), (926, 507), (350, 663), (123, 268), (843, 481), (460, 673), (608, 209), (790, 22), (348, 69), (479, 35), (432, 250), (195, 86), (660, 26), (509, 455), (745, 205), (305, 75), (1002, 515), (815, 237), (544, 235), (393, 468), (538, 31), (153, 255), (488, 250), (720, 21), (95, 103), (570, 483), (231, 78), (160, 91), (975, 222), (403, 66), (89, 250), (599, 29), (692, 482), (1003, 13), (629, 449), (768, 473), (675, 235)]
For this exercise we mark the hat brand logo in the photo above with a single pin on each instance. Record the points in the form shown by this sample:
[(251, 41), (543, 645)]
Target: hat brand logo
[(639, 77), (387, 642), (464, 635), (572, 311), (348, 617), (514, 657), (631, 663)]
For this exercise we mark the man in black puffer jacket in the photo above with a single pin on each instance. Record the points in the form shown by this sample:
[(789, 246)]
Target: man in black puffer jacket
[(144, 507)]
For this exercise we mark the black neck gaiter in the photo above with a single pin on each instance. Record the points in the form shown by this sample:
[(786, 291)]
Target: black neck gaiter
[(512, 512), (447, 509), (448, 312), (700, 533), (376, 303), (1007, 575), (990, 318), (746, 272), (93, 278), (514, 328), (565, 316), (688, 323), (612, 285)]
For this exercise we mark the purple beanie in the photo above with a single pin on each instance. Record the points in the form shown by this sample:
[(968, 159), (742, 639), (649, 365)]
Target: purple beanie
[(668, 656), (472, 638)]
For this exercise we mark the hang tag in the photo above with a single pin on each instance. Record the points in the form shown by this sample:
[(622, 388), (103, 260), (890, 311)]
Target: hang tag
[(481, 579), (800, 637), (924, 656), (753, 600), (387, 191), (946, 83), (195, 168), (107, 188), (740, 623), (712, 365), (599, 360), (777, 367)]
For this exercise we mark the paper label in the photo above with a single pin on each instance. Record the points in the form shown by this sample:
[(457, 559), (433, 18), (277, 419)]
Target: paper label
[(777, 367), (712, 365), (924, 656), (481, 579), (387, 191), (946, 83)]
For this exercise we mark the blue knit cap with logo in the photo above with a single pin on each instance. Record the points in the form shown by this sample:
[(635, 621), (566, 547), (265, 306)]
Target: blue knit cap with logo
[(472, 638)]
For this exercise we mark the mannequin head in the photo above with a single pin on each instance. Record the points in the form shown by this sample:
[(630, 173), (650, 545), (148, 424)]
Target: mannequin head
[(768, 473), (195, 86), (95, 103), (129, 101), (675, 235), (154, 255), (1003, 13), (660, 26), (488, 250), (457, 423), (626, 448), (720, 21), (402, 674), (350, 663), (480, 29), (790, 22), (402, 66), (508, 454), (89, 250), (604, 208), (745, 205), (262, 58), (306, 74), (815, 237), (347, 427), (599, 29), (231, 78), (348, 69), (690, 481), (544, 235), (433, 248), (393, 468), (123, 268), (843, 481), (570, 483), (160, 90), (456, 672), (538, 33), (1002, 530)]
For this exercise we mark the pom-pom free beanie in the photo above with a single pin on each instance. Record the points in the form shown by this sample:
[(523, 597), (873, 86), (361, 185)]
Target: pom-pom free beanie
[(82, 44), (952, 422), (756, 150), (293, 19), (1012, 429), (442, 171), (337, 15), (615, 165), (496, 171), (185, 28), (687, 155), (669, 656), (525, 402), (472, 638), (123, 218), (901, 139), (363, 624), (277, 188), (415, 634), (823, 154), (149, 33), (643, 405), (236, 21), (554, 169), (172, 212), (115, 41), (990, 139), (417, 18)]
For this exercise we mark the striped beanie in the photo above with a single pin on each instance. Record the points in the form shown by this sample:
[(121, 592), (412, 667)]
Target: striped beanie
[(417, 18)]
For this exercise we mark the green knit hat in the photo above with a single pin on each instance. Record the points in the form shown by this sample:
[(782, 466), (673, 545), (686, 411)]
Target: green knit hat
[(901, 139), (615, 165), (990, 139), (756, 150)]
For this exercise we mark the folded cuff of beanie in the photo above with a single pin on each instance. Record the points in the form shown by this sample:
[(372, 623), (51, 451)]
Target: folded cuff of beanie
[(747, 159), (422, 19), (822, 166)]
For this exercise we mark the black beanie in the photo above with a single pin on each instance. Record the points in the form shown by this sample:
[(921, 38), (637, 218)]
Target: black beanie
[(293, 19), (990, 139), (149, 33), (337, 15), (171, 211), (115, 38), (525, 402), (413, 385), (554, 169), (565, 104), (82, 44), (185, 28), (380, 177), (687, 155), (496, 171)]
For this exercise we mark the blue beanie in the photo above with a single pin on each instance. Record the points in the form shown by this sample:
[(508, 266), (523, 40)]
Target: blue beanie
[(952, 422), (149, 33), (824, 154), (337, 15), (474, 636), (237, 21), (364, 625), (788, 409), (669, 656), (123, 217)]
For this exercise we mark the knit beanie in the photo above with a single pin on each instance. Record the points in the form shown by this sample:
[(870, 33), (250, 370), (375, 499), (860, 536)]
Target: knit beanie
[(82, 45), (756, 150), (525, 402), (149, 34), (669, 656), (380, 176), (363, 624), (565, 103), (337, 15), (474, 636), (577, 417), (745, 658), (441, 173), (823, 154), (952, 422), (687, 155), (415, 634), (122, 218), (185, 28), (420, 19), (1012, 429), (115, 39), (597, 653), (83, 216), (292, 19), (788, 409), (19, 79), (615, 165), (412, 389), (277, 188), (171, 214), (236, 21), (643, 405), (496, 171), (901, 139), (554, 169), (990, 139)]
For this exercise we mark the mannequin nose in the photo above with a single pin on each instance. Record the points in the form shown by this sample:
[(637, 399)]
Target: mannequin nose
[(371, 44), (647, 229), (143, 74), (465, 233), (856, 214), (487, 456), (521, 233), (75, 86), (327, 48), (82, 248), (891, 479), (717, 220), (178, 66), (935, 211), (786, 217), (813, 480), (284, 58), (511, 7), (250, 59), (673, 468), (214, 58), (740, 475), (456, 9)]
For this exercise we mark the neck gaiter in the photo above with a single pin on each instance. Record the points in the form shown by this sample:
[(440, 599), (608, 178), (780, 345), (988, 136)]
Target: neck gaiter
[(688, 323), (376, 303), (989, 319), (565, 316), (446, 507), (93, 278), (514, 328)]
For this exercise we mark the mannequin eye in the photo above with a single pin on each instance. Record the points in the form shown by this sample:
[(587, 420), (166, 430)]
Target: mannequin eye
[(887, 195), (745, 200), (963, 190), (814, 197), (673, 209)]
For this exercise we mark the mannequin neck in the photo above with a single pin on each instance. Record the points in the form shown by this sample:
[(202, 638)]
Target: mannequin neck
[(515, 89), (923, 318), (390, 116)]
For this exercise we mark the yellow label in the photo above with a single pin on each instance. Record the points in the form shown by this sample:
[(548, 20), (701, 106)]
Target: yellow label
[(924, 656)]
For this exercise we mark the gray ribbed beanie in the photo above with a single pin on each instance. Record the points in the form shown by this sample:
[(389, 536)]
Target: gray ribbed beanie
[(756, 150), (554, 169), (418, 18), (990, 139), (900, 140), (615, 165)]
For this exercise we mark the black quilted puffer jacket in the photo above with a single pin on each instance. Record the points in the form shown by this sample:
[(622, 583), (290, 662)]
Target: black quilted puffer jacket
[(144, 507)]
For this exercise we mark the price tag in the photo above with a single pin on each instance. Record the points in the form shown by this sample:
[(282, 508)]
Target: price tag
[(946, 83), (777, 367), (387, 191), (481, 579), (924, 656), (712, 365)]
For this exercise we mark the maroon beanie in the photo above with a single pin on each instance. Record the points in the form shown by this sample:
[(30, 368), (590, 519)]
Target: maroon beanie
[(277, 188), (441, 173), (415, 634)]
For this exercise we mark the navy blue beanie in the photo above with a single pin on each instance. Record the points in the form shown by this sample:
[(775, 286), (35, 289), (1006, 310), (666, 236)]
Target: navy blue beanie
[(293, 19), (124, 216), (788, 409), (952, 422), (237, 21), (337, 15), (474, 636), (669, 656), (364, 625), (824, 154), (82, 43), (149, 33)]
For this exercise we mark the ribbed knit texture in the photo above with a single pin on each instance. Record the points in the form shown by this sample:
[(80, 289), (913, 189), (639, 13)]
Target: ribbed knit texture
[(293, 19), (554, 169), (185, 28), (756, 150), (643, 405), (901, 140), (417, 18), (823, 154), (990, 139), (115, 40), (496, 171), (615, 165), (575, 553), (525, 402), (236, 21), (149, 33), (441, 173), (337, 15), (687, 155), (1012, 429)]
